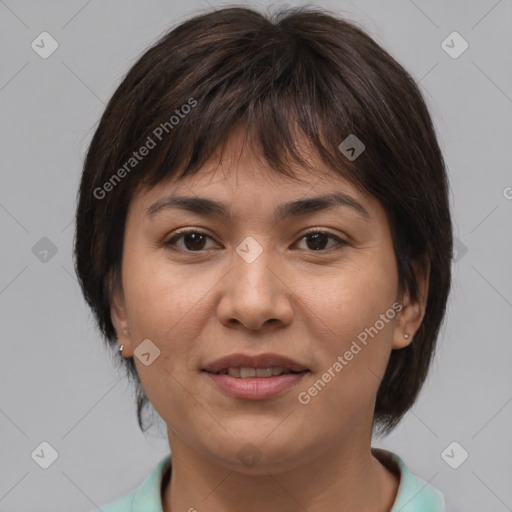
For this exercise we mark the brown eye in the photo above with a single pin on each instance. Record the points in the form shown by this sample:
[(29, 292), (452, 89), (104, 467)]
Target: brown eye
[(192, 241), (195, 241), (317, 240)]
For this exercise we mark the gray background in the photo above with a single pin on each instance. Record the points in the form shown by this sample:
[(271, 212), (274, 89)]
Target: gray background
[(57, 382)]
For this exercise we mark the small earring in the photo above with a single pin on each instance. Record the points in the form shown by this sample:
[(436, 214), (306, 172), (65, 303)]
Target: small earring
[(121, 349), (406, 335)]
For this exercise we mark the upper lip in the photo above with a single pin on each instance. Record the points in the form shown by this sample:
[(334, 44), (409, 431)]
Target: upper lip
[(257, 361)]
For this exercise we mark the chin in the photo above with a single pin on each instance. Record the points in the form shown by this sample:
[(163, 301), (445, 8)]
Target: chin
[(257, 452)]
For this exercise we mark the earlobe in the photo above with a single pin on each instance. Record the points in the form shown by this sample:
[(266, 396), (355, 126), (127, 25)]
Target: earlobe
[(413, 309), (407, 324), (118, 316), (119, 319)]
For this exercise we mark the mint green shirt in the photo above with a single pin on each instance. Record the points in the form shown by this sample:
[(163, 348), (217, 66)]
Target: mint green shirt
[(414, 494)]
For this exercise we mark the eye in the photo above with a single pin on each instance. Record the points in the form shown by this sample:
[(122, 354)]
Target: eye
[(193, 240), (316, 240)]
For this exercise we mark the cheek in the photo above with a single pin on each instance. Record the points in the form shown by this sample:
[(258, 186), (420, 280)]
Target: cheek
[(155, 296), (166, 303), (354, 320), (164, 306), (351, 297)]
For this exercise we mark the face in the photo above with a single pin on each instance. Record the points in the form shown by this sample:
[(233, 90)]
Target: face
[(316, 285)]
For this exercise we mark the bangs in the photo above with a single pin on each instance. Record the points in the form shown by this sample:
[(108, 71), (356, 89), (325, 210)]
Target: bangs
[(282, 140), (300, 82), (290, 99)]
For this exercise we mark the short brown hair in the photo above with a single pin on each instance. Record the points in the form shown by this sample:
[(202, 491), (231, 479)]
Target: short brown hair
[(299, 73)]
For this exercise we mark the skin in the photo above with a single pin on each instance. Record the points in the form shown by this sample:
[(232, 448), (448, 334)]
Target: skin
[(199, 305)]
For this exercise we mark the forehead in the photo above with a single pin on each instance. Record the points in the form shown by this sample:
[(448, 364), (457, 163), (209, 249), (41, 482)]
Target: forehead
[(238, 170)]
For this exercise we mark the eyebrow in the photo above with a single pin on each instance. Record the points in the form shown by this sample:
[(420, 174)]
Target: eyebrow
[(205, 206)]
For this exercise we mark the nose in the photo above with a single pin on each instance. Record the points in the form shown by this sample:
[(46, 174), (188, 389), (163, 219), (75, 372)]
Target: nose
[(256, 293)]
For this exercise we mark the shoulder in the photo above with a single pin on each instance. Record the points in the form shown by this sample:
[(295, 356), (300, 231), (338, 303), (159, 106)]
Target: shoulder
[(146, 497), (121, 504), (414, 494)]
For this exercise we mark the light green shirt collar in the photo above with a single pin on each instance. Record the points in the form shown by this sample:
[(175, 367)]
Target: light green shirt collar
[(414, 494)]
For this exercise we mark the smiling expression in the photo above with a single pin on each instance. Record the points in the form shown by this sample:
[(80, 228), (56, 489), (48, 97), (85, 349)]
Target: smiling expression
[(240, 260)]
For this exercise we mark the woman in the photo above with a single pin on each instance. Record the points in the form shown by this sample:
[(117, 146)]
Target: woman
[(264, 231)]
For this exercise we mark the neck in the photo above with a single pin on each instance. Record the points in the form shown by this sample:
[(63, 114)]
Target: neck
[(348, 478)]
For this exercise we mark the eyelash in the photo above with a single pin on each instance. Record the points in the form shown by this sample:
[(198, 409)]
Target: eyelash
[(171, 243)]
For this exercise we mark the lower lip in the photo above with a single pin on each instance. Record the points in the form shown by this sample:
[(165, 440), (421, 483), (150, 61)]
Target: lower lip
[(255, 388)]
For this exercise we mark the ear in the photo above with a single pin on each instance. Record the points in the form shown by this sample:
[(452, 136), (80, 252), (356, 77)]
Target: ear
[(118, 314), (413, 309)]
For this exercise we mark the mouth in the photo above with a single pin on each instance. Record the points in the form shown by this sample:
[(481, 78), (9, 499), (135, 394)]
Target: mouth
[(244, 366), (248, 372), (260, 377)]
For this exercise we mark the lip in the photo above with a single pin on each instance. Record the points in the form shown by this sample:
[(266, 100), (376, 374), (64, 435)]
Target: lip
[(257, 361), (255, 388)]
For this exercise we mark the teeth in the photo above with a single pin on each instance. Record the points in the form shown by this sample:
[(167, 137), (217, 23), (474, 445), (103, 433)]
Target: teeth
[(234, 372), (247, 373), (263, 372)]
